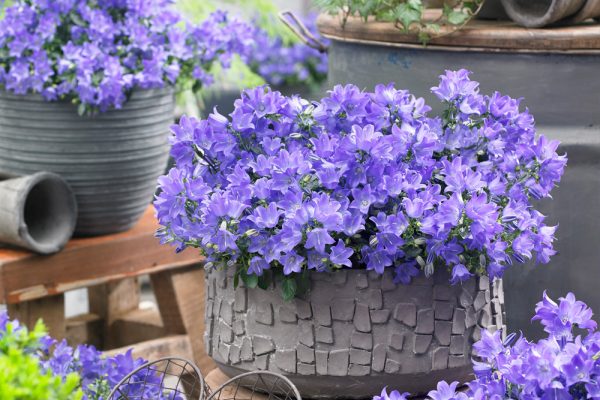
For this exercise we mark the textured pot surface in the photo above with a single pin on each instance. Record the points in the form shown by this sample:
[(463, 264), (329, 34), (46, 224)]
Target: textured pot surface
[(561, 91), (111, 160), (353, 333)]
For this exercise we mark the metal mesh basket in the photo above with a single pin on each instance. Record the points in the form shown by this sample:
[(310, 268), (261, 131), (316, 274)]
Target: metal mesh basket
[(164, 379), (258, 385)]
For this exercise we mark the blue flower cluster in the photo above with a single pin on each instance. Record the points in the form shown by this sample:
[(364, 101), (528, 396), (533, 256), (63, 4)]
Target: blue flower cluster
[(96, 51), (99, 374), (363, 180), (288, 64), (565, 365)]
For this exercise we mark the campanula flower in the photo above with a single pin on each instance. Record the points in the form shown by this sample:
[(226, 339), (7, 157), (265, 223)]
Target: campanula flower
[(363, 180)]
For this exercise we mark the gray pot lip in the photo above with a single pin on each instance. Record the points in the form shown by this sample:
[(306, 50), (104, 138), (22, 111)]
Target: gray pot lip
[(45, 247), (136, 93), (339, 36)]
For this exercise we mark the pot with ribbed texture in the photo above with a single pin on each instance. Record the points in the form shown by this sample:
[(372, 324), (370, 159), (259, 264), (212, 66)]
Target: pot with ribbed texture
[(111, 160)]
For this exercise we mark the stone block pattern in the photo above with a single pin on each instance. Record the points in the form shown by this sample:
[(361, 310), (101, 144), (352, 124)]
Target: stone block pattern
[(352, 323)]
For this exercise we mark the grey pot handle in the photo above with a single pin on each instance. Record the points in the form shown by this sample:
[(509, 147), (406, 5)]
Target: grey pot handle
[(296, 26), (37, 212)]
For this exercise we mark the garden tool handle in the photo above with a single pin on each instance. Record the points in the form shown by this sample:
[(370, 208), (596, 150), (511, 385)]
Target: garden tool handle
[(300, 30)]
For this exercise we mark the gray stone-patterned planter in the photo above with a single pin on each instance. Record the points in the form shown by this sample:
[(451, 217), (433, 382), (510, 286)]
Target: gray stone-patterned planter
[(111, 160), (354, 332)]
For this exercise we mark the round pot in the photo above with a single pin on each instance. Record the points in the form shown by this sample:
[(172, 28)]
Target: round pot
[(111, 160), (38, 212), (536, 14), (555, 72), (353, 332)]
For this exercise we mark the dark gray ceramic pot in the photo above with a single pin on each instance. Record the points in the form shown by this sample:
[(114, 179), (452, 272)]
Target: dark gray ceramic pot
[(111, 160), (562, 92), (353, 333)]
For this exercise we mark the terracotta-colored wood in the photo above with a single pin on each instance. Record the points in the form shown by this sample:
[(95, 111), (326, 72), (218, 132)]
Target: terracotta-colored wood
[(51, 309), (176, 346), (180, 297), (216, 378), (88, 262), (477, 35), (85, 328), (139, 325)]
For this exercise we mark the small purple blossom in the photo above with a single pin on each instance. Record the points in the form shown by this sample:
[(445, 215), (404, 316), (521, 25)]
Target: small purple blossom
[(280, 63)]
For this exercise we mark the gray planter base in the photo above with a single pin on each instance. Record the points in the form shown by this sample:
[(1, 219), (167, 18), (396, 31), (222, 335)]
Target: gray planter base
[(322, 387), (354, 332)]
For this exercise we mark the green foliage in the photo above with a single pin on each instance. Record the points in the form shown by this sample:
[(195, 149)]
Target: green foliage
[(21, 377), (407, 15)]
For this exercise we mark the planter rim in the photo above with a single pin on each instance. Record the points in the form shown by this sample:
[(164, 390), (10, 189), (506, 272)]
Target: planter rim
[(135, 93), (478, 36)]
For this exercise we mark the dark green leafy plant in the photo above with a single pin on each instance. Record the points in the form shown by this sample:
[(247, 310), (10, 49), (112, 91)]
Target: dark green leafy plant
[(407, 15)]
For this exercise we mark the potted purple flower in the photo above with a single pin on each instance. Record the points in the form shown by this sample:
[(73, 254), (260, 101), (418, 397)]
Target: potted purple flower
[(350, 242), (117, 64)]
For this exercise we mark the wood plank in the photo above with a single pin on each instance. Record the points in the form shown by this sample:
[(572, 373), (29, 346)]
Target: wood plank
[(111, 301), (50, 309), (477, 35), (170, 346), (136, 326), (216, 378), (89, 261), (181, 299), (85, 329)]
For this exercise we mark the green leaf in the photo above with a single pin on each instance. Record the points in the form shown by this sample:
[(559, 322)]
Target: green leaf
[(250, 280), (409, 13), (289, 288), (457, 17), (264, 281), (81, 109), (303, 282), (236, 279)]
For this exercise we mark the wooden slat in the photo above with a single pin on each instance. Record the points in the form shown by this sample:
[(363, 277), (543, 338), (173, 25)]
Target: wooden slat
[(478, 34), (181, 299), (171, 346), (216, 378), (85, 328), (136, 326), (87, 262), (51, 309)]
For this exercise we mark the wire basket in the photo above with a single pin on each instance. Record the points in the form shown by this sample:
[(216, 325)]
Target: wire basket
[(168, 378), (257, 385)]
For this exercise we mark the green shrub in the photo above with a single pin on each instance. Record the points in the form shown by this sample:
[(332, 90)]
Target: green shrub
[(21, 376)]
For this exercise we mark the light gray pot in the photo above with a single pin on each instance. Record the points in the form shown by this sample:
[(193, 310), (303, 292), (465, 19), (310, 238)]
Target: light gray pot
[(37, 212), (539, 13), (353, 333), (111, 160)]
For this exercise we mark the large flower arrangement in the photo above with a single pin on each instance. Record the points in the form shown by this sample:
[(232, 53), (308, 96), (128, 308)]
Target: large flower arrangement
[(95, 52), (37, 365), (565, 365), (281, 63), (362, 180)]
